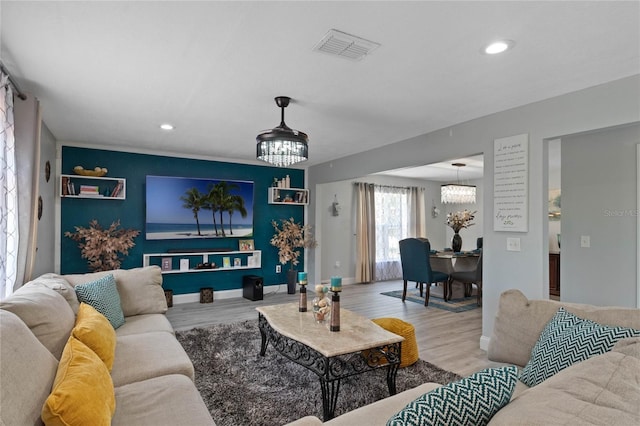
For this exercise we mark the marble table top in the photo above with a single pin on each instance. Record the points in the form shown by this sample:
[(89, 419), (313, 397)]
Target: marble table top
[(357, 333)]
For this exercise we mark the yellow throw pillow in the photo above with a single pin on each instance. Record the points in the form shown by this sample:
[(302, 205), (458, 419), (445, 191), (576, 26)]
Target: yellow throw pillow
[(94, 330), (82, 391)]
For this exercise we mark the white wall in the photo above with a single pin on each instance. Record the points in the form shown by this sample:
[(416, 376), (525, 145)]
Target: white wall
[(599, 200), (602, 106), (45, 249)]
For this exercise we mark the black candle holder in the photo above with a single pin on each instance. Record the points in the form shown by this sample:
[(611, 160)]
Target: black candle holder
[(302, 304), (335, 311)]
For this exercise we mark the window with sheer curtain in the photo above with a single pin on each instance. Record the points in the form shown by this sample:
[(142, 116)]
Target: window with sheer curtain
[(392, 225), (9, 195)]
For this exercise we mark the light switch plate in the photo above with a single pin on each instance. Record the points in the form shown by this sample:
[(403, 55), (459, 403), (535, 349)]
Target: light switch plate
[(513, 244), (585, 241)]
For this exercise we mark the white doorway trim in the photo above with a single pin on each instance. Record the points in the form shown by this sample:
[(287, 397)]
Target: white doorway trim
[(638, 226)]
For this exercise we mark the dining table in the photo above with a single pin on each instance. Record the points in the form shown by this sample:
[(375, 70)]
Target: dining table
[(448, 261)]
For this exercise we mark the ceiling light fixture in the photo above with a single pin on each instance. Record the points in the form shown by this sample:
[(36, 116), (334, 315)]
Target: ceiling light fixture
[(458, 193), (498, 47), (167, 126), (282, 146)]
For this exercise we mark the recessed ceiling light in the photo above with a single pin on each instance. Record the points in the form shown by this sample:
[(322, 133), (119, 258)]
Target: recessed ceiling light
[(498, 47), (167, 126)]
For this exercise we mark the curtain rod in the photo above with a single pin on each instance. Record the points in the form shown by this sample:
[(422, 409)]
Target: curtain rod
[(19, 92)]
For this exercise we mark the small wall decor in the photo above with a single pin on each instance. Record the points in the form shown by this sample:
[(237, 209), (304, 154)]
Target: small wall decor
[(246, 245), (555, 207), (335, 206), (47, 171), (166, 263), (511, 183), (96, 172)]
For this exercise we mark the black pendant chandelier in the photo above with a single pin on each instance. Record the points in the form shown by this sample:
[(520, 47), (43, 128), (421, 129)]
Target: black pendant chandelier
[(282, 146)]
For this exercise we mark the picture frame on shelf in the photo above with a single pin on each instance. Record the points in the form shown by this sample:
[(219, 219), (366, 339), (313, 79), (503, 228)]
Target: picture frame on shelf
[(246, 245), (166, 264), (226, 262), (184, 264), (237, 262)]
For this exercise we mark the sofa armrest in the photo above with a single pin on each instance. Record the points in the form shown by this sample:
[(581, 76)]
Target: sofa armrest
[(306, 421)]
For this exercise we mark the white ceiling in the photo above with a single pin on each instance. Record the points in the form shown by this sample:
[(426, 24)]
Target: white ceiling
[(108, 73), (444, 171)]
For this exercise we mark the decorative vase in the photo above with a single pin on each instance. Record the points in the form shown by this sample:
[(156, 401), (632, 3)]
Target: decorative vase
[(456, 243), (321, 307), (292, 278)]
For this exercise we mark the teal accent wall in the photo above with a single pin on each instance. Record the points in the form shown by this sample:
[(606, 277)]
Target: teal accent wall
[(131, 213)]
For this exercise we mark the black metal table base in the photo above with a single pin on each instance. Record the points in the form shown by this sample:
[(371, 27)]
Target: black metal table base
[(333, 369)]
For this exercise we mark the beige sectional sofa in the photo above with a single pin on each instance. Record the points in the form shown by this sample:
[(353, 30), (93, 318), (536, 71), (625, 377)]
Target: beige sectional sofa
[(602, 390), (152, 375)]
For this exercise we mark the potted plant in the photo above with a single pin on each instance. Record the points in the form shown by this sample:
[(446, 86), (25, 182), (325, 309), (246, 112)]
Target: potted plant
[(458, 221), (290, 237), (101, 246)]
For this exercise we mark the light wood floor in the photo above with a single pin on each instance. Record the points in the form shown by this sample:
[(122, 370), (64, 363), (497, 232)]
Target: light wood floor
[(446, 339)]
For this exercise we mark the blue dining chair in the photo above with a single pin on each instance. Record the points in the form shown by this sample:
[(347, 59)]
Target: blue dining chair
[(416, 266)]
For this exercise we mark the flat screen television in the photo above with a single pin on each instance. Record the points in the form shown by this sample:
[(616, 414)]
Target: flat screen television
[(192, 208)]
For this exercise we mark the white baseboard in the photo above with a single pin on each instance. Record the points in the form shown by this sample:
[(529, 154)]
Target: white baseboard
[(484, 343)]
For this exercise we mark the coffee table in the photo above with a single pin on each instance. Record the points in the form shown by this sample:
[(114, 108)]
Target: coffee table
[(359, 346)]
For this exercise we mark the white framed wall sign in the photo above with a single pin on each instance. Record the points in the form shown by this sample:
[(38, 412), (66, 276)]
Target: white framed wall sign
[(511, 183)]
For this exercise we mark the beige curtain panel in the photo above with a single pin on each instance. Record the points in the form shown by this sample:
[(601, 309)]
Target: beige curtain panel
[(365, 233)]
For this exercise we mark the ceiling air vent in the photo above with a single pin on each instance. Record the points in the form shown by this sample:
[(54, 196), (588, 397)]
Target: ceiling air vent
[(345, 45)]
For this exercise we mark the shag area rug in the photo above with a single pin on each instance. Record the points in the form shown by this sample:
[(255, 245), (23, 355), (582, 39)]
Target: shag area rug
[(242, 388), (459, 304)]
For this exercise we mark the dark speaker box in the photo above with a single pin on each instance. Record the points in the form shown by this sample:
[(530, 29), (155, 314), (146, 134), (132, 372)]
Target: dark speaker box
[(252, 287)]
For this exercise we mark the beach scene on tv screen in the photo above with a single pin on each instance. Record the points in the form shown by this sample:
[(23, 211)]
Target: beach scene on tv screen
[(183, 207)]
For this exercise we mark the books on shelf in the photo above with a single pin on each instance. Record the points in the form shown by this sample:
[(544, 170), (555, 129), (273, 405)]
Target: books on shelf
[(117, 189), (90, 191)]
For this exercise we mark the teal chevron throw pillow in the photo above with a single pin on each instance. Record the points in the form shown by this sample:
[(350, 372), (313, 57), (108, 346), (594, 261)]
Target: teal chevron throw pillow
[(103, 295), (470, 401), (566, 340)]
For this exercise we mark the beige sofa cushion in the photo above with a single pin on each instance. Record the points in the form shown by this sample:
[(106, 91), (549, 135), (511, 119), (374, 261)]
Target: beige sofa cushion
[(45, 312), (27, 370), (59, 284), (166, 400), (145, 356), (140, 289), (144, 323), (602, 390), (520, 321)]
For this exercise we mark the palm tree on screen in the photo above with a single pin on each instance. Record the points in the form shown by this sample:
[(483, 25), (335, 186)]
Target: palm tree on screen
[(212, 202), (236, 204), (194, 201), (225, 200)]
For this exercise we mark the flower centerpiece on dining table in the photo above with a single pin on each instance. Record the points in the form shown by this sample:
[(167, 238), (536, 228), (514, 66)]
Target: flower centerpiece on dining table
[(457, 221)]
